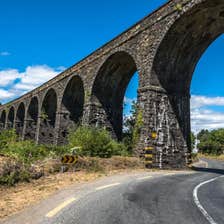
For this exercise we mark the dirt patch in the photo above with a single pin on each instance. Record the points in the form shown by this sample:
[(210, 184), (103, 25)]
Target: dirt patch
[(16, 198)]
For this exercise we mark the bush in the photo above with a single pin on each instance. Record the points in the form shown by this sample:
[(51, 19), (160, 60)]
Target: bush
[(95, 142), (23, 155), (7, 137), (14, 177), (55, 151), (10, 179), (211, 147), (211, 142), (25, 151)]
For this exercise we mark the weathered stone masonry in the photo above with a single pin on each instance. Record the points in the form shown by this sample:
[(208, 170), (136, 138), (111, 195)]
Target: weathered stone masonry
[(164, 48)]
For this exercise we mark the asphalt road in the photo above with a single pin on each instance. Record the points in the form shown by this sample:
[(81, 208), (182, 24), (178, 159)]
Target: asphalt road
[(163, 198)]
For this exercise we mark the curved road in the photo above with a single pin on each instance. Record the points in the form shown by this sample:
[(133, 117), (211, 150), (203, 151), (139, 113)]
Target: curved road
[(162, 198)]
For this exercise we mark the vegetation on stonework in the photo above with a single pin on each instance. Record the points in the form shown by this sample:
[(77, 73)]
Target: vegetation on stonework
[(211, 142)]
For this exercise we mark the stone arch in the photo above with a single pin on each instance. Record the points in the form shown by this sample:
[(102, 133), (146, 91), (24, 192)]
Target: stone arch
[(174, 63), (72, 104), (184, 43), (48, 117), (20, 117), (3, 119), (108, 91), (11, 117), (32, 118)]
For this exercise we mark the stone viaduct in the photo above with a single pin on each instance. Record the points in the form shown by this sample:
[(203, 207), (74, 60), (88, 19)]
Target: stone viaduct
[(163, 48)]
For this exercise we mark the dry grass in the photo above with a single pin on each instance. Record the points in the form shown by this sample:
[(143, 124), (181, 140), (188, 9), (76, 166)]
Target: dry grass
[(221, 157), (92, 164), (15, 199)]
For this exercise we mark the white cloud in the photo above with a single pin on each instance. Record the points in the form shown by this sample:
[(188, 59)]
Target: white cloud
[(14, 83), (129, 101), (203, 118), (4, 53), (35, 76), (4, 94), (8, 76), (201, 101)]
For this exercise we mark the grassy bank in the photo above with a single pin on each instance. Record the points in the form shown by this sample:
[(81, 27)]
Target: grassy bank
[(23, 194), (24, 160), (30, 172)]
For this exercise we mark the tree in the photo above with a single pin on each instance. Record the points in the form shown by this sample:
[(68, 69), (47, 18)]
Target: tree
[(132, 126), (129, 121), (203, 135), (211, 142), (137, 127), (193, 138)]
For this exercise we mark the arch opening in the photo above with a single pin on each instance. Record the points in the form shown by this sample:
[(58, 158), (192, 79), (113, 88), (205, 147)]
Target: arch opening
[(184, 44), (11, 115), (175, 62), (3, 120), (32, 118), (48, 118), (20, 116), (109, 90), (207, 100), (71, 107)]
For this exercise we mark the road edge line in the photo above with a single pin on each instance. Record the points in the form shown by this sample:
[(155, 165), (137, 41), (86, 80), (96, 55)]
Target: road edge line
[(197, 202)]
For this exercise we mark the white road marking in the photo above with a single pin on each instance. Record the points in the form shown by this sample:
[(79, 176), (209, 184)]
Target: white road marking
[(197, 202), (169, 174), (144, 178), (107, 186), (60, 207)]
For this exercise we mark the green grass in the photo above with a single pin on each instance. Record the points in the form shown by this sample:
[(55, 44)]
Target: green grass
[(95, 142), (92, 142)]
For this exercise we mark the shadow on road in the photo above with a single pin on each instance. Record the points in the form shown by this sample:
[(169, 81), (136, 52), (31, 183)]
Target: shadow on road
[(208, 170)]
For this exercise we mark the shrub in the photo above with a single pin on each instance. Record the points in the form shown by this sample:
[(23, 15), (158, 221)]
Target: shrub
[(14, 177), (25, 151), (9, 179), (55, 151), (95, 142), (7, 137)]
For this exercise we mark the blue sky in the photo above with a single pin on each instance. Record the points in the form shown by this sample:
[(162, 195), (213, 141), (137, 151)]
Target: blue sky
[(40, 38), (61, 32)]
